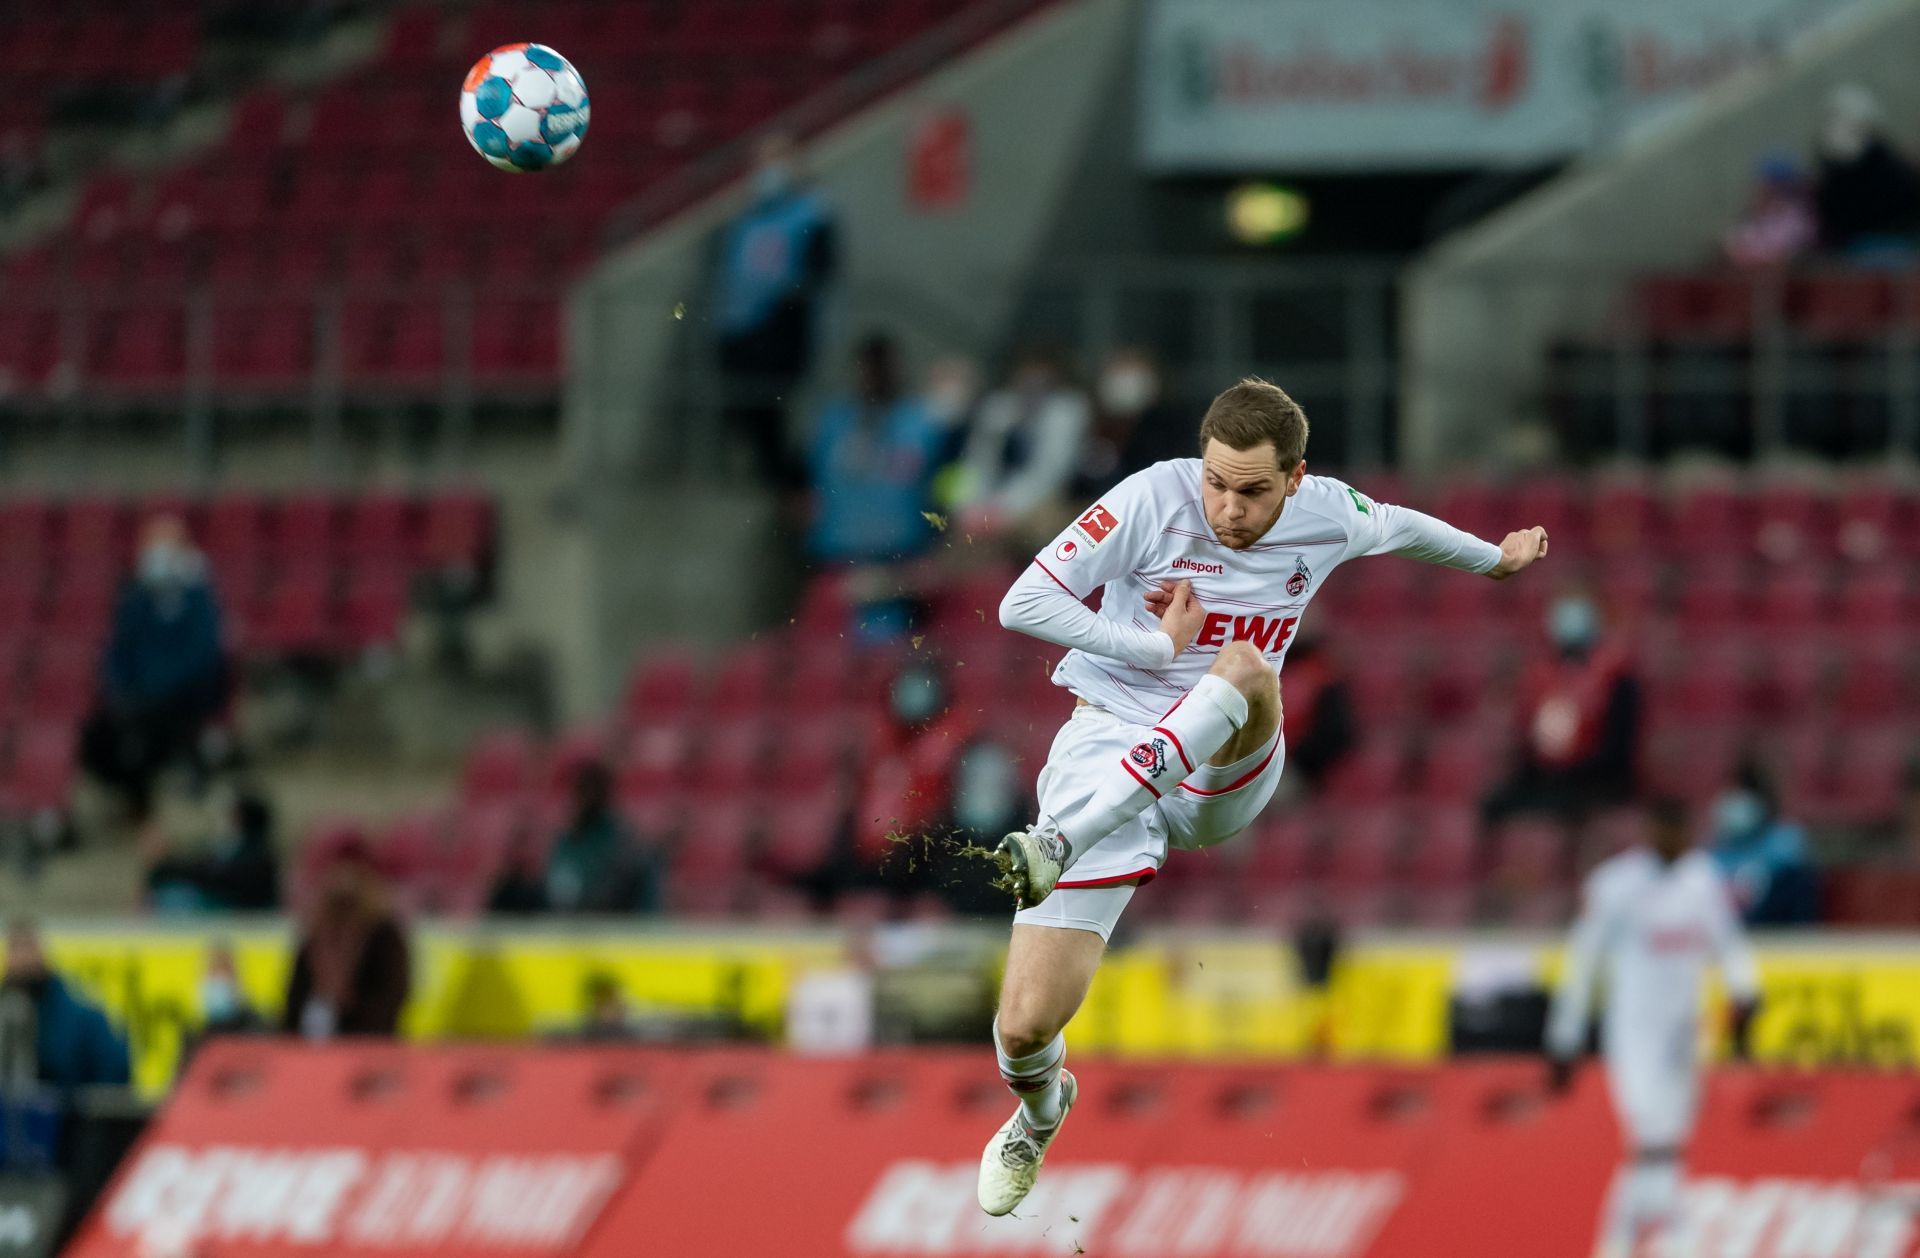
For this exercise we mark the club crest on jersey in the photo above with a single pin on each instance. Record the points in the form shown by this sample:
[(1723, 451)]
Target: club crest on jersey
[(1096, 524), (1066, 550), (1150, 756), (1297, 583)]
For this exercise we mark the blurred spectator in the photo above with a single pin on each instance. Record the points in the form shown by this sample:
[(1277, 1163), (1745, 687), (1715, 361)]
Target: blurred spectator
[(597, 864), (990, 795), (1867, 194), (1133, 427), (1763, 855), (75, 1046), (238, 873), (353, 970), (777, 260), (1579, 719), (164, 677), (873, 464), (522, 884), (224, 1007), (1023, 449), (1779, 223), (951, 391), (1318, 712)]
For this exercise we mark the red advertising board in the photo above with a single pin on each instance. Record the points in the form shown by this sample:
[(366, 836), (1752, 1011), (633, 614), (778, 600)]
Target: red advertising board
[(611, 1153)]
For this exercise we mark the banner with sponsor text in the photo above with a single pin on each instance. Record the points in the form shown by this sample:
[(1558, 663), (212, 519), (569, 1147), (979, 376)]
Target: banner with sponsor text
[(269, 1151), (1304, 85)]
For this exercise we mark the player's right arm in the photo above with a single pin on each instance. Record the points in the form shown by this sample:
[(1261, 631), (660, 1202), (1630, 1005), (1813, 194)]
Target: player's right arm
[(1107, 542), (1586, 949)]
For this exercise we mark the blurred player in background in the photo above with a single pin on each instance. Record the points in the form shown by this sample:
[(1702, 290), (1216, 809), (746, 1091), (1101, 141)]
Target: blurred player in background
[(1652, 917), (1175, 736)]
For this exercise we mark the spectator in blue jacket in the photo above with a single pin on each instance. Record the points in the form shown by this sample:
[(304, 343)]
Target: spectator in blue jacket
[(164, 676), (1763, 856), (75, 1046), (776, 262), (874, 456)]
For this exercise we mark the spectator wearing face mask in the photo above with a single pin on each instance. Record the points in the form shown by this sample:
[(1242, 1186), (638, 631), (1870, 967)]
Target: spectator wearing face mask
[(874, 460), (164, 678), (224, 1006), (1023, 450), (1867, 194), (75, 1046), (1133, 427), (1579, 723), (777, 263), (1779, 223), (1763, 855)]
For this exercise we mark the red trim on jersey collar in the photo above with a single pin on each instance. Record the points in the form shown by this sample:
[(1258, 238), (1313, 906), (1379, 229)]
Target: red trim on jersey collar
[(1244, 778), (1144, 876)]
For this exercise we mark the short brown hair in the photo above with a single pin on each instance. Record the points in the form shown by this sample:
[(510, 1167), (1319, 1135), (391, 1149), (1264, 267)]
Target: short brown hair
[(1254, 411)]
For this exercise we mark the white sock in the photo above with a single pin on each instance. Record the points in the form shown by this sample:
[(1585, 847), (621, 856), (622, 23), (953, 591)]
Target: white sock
[(1035, 1080), (1186, 738), (1644, 1200)]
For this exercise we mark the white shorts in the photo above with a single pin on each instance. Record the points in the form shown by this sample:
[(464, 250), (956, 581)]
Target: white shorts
[(1215, 803)]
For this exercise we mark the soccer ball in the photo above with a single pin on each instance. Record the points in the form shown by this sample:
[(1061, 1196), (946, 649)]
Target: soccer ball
[(524, 107)]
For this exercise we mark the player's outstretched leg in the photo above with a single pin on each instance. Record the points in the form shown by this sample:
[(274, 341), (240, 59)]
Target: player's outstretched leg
[(1048, 971), (1221, 715)]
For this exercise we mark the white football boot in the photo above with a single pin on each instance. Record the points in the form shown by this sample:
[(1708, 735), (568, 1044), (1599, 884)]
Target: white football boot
[(1012, 1159), (1031, 862)]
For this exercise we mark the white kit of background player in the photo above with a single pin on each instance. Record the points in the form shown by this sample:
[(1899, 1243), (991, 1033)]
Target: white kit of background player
[(1207, 566), (1652, 919)]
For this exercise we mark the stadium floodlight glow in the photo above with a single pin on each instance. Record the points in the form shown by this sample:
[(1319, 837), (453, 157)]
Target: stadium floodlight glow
[(1265, 213)]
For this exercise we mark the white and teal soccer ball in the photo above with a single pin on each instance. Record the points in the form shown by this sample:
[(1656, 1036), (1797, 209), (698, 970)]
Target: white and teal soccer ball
[(524, 107)]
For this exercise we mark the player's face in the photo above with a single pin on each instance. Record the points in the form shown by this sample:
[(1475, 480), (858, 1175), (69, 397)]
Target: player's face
[(1244, 490)]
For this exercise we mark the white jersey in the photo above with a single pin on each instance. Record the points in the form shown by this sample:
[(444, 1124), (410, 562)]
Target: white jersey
[(1152, 527), (1651, 929)]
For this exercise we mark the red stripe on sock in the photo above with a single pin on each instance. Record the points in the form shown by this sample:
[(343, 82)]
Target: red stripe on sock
[(1128, 766), (1143, 875), (1245, 778)]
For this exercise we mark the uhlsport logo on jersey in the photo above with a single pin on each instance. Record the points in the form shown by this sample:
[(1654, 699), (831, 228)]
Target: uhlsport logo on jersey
[(1297, 583), (1096, 524), (1066, 550), (1194, 565), (1150, 756)]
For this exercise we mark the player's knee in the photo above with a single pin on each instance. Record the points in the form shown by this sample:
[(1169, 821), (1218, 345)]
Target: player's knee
[(1024, 1029), (1241, 666)]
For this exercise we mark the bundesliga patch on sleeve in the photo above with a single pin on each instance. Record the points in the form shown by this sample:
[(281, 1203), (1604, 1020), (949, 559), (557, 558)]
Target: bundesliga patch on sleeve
[(1096, 524)]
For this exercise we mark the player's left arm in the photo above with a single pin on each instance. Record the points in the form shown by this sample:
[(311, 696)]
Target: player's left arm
[(1573, 1000), (1381, 528)]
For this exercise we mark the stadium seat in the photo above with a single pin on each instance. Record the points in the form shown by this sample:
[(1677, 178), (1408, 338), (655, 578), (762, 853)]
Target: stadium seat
[(499, 768), (42, 774)]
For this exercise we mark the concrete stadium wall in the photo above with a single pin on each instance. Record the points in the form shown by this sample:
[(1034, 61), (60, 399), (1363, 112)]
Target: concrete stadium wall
[(941, 282), (1481, 308)]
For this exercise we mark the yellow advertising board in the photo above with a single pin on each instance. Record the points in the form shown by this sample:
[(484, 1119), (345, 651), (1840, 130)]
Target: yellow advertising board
[(1229, 997)]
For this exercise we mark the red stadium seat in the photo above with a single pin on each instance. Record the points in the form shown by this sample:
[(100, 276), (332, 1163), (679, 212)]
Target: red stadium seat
[(457, 531), (499, 768), (375, 604), (61, 682), (662, 690), (1829, 309), (44, 760), (379, 529), (298, 615), (306, 530)]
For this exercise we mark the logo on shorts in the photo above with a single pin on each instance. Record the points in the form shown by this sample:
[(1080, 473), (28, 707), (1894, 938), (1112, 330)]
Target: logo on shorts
[(1297, 583), (1151, 756), (1066, 550), (1096, 524)]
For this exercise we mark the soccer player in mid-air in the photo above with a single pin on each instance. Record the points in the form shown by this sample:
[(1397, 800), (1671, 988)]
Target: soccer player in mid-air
[(1207, 566), (1652, 918)]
